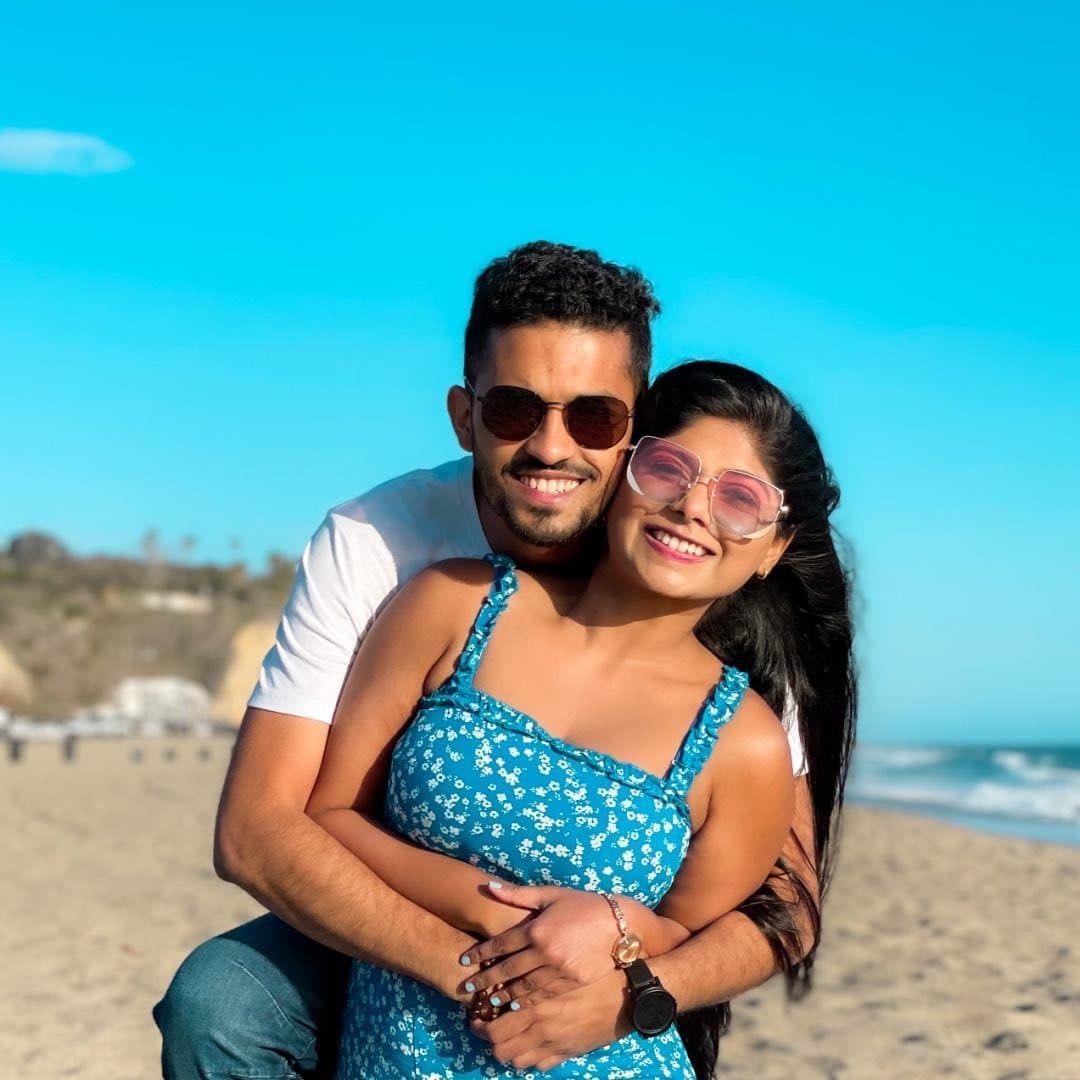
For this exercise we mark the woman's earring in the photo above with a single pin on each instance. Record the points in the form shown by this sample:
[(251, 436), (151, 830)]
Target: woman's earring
[(763, 574)]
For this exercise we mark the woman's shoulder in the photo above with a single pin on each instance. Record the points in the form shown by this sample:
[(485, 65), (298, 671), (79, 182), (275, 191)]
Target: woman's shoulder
[(465, 572), (450, 582), (548, 591), (454, 585), (754, 736)]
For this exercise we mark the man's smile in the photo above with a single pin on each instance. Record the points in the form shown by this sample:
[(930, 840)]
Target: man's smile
[(548, 487)]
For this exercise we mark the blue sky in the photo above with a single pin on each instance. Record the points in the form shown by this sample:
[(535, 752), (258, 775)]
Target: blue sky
[(255, 314)]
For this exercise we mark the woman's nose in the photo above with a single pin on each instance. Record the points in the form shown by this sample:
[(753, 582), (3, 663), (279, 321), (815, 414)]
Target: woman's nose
[(695, 503)]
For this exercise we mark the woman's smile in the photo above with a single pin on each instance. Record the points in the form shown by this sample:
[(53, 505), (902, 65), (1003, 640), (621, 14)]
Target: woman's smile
[(673, 545)]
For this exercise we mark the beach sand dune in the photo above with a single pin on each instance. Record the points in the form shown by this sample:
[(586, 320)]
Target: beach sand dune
[(946, 953)]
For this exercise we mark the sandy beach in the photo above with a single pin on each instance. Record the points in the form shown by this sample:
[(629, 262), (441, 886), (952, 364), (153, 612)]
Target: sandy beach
[(946, 952)]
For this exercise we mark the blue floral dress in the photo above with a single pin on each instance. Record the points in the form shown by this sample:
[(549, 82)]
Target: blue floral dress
[(476, 779)]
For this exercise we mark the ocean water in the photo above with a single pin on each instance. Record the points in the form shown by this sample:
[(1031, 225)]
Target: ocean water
[(1032, 792)]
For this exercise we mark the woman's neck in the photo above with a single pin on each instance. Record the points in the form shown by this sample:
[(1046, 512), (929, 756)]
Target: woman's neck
[(632, 622)]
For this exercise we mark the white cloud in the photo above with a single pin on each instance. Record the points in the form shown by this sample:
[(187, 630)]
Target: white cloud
[(26, 150)]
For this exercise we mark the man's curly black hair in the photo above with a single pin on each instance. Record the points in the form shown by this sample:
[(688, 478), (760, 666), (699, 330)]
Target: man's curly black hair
[(542, 281)]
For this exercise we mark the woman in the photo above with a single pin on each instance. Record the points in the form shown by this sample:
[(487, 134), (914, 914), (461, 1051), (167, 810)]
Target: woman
[(593, 740)]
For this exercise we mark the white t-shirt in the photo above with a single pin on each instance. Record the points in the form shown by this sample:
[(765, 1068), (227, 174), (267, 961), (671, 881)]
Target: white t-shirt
[(364, 550)]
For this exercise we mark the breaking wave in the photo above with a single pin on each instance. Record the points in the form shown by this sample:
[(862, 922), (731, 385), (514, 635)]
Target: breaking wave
[(1035, 785)]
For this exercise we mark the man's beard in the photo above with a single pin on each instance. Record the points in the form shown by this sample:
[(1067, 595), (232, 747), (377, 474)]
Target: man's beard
[(542, 531), (543, 527)]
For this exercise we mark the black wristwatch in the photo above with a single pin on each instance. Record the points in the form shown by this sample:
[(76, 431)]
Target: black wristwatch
[(652, 1008)]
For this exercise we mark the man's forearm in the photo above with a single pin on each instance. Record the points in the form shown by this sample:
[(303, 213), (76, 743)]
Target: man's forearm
[(303, 875), (452, 889), (725, 959)]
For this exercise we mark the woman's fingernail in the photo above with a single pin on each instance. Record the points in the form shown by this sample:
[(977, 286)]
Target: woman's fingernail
[(465, 961), (495, 884), (515, 1005), (470, 987), (496, 1001)]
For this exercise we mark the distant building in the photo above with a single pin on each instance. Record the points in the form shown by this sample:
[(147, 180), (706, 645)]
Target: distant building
[(176, 602), (162, 704)]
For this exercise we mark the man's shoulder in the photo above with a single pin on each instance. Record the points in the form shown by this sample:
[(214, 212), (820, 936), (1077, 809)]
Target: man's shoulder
[(443, 484), (420, 516)]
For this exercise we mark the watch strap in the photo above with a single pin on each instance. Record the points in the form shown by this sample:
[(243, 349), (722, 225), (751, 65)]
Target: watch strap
[(640, 977), (652, 1008)]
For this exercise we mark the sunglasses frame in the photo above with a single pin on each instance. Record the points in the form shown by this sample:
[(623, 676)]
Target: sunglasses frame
[(562, 406), (710, 481)]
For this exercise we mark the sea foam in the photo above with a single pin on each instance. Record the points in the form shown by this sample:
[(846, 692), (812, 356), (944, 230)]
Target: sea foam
[(1036, 785)]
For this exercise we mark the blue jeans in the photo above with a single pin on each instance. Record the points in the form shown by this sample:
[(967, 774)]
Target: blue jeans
[(262, 1002)]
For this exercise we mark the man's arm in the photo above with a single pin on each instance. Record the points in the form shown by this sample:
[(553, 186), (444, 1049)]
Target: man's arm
[(721, 961), (265, 843), (450, 888)]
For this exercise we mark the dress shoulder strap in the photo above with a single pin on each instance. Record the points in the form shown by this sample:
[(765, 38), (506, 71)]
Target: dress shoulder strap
[(503, 586), (718, 709)]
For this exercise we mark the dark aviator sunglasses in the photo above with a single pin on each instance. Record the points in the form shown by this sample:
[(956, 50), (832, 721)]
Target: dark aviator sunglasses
[(594, 421)]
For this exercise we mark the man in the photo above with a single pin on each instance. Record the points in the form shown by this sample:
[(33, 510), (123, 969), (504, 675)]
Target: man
[(557, 350)]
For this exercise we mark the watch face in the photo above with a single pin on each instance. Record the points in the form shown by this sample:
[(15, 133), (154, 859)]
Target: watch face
[(654, 1011), (627, 949)]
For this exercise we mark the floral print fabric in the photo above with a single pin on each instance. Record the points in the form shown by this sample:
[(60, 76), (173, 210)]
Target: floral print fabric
[(475, 778)]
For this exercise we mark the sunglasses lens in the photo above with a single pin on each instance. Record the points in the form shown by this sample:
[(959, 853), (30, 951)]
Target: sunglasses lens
[(511, 413), (742, 504), (661, 470), (596, 423)]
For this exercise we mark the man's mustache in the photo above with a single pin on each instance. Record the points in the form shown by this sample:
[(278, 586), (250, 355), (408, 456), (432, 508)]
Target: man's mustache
[(523, 462)]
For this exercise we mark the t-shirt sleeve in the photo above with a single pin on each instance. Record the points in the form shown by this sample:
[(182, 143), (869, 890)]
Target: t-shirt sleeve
[(790, 720), (342, 580)]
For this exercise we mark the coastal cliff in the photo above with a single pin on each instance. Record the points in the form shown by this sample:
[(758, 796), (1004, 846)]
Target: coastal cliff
[(72, 629)]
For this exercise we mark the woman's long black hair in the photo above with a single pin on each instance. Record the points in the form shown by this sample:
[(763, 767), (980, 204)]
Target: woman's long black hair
[(792, 633)]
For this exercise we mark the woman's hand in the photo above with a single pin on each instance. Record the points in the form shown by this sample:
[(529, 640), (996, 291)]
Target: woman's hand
[(548, 1033), (565, 946)]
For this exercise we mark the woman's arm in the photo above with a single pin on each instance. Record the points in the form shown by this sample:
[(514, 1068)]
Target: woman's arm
[(744, 799), (748, 794), (721, 961), (454, 890), (409, 650)]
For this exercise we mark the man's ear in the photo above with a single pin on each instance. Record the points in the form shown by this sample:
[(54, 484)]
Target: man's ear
[(459, 406)]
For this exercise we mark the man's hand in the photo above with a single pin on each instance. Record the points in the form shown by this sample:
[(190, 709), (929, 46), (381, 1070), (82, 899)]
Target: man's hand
[(547, 1033)]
